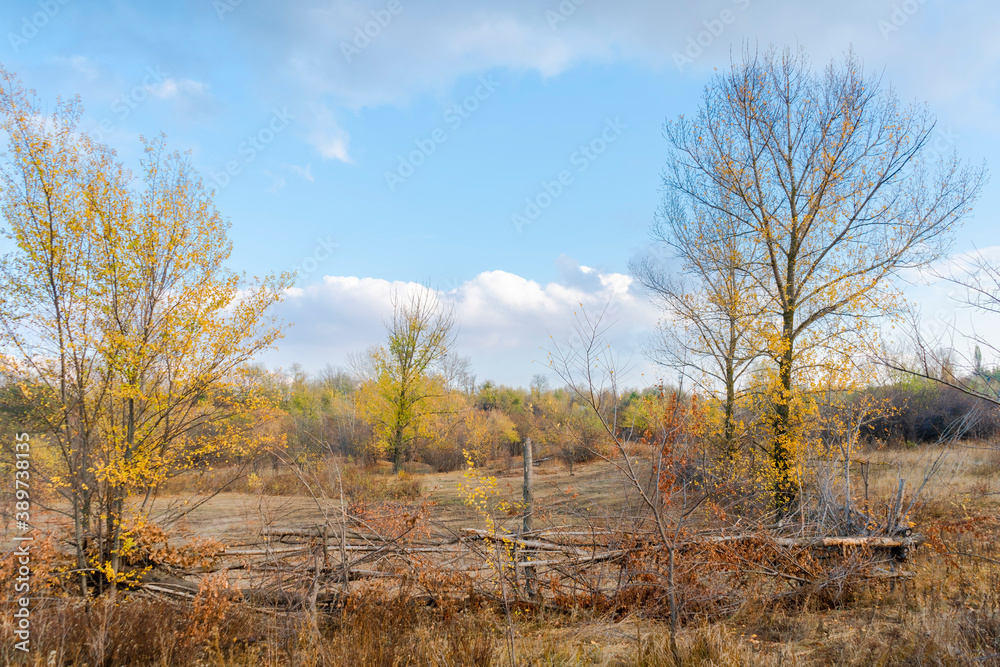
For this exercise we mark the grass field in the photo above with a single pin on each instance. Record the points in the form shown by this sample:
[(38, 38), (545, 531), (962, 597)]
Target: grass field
[(947, 614)]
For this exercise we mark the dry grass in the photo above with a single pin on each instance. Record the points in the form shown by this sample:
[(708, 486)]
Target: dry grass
[(144, 631), (948, 614), (326, 477)]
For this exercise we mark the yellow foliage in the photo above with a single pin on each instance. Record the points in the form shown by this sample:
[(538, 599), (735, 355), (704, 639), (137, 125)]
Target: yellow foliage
[(125, 332)]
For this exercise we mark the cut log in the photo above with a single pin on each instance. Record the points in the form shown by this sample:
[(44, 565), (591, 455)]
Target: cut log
[(874, 542), (527, 544)]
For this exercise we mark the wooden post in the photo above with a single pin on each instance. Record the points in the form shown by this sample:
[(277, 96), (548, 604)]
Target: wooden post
[(529, 493), (529, 510)]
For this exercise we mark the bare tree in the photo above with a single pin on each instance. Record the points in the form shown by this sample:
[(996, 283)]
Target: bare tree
[(458, 373), (938, 358), (824, 180), (591, 373), (710, 306)]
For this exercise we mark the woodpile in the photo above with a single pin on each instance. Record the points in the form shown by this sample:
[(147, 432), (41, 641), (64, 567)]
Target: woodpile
[(309, 566)]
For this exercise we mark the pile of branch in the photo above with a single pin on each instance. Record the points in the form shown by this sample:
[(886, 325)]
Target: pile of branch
[(306, 567)]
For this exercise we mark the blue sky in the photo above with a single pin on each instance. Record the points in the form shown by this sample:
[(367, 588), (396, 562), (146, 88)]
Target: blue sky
[(487, 102)]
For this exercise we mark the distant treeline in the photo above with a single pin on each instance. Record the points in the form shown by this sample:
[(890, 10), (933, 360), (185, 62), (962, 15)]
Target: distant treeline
[(489, 421), (921, 411)]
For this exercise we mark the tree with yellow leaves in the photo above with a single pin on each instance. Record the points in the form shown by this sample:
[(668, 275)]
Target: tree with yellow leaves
[(489, 435), (400, 386), (120, 322), (827, 182)]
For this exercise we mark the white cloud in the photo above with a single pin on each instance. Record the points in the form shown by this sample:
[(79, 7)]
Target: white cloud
[(504, 319), (326, 136), (428, 46), (954, 265), (82, 64), (191, 99), (303, 172), (508, 322), (170, 88), (277, 182), (435, 42)]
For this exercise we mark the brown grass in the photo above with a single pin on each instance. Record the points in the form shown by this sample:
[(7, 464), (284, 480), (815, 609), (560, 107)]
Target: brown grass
[(145, 631), (325, 478), (948, 614)]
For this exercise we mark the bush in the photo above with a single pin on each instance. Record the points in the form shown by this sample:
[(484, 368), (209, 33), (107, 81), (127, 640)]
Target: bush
[(925, 411)]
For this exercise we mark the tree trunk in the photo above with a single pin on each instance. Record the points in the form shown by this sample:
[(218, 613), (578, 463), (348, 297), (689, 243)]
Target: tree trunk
[(674, 612), (729, 426), (81, 555), (784, 483), (117, 503), (398, 452)]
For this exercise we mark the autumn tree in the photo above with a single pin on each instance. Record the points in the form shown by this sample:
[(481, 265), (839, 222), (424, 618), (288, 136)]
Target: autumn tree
[(709, 331), (177, 328), (459, 431), (321, 413), (581, 438), (46, 327), (120, 322), (345, 429), (399, 379), (826, 180)]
